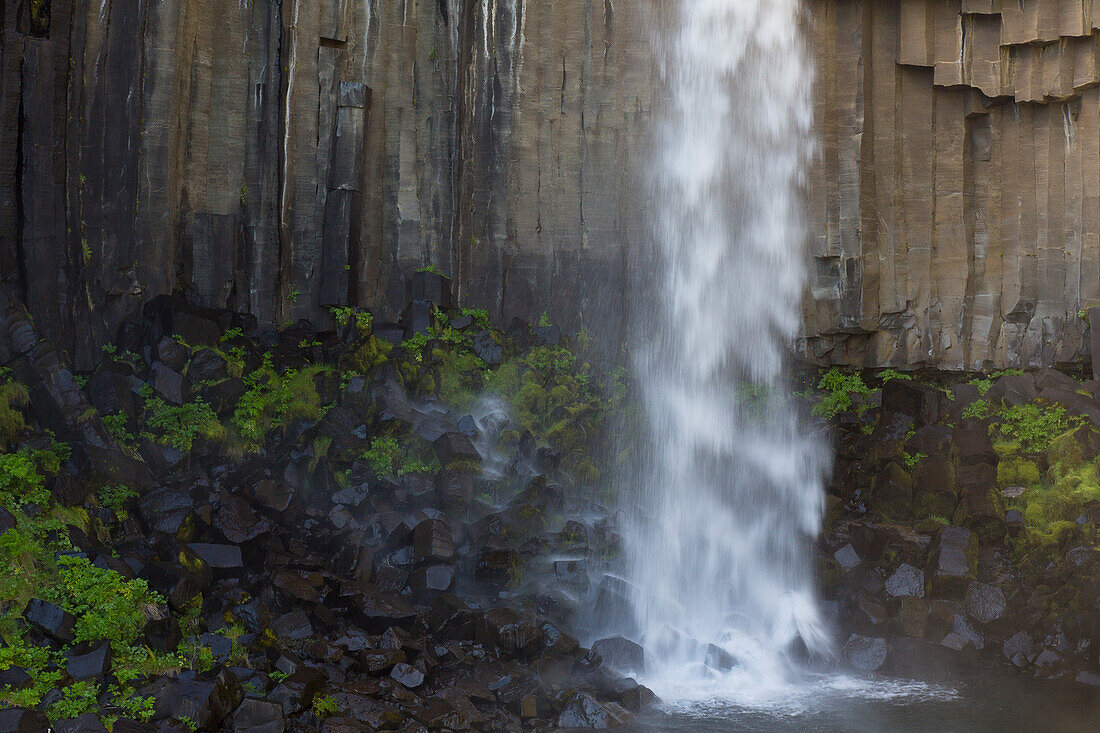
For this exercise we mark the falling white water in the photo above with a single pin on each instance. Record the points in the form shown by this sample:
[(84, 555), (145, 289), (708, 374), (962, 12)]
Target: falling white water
[(731, 484)]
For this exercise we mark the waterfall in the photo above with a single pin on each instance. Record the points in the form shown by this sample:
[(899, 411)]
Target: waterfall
[(731, 484)]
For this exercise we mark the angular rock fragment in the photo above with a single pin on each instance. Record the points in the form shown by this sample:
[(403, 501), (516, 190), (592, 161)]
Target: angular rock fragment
[(258, 716), (407, 675), (984, 602), (583, 711), (621, 654), (225, 557), (51, 620), (865, 653), (906, 582), (91, 665)]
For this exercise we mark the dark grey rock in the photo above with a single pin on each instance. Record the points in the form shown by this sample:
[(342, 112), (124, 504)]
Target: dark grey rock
[(718, 658), (207, 702), (219, 646), (293, 625), (95, 663), (455, 446), (407, 675), (487, 349), (865, 653), (238, 523), (847, 557), (169, 384), (433, 542), (218, 556), (583, 711), (432, 579), (165, 509), (17, 720), (953, 562), (15, 678), (51, 620), (1017, 648), (259, 716), (87, 723), (572, 574), (207, 365), (984, 602), (906, 582), (621, 654)]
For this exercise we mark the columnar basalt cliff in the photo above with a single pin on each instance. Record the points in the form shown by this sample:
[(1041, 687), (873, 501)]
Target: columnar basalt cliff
[(957, 200), (279, 156)]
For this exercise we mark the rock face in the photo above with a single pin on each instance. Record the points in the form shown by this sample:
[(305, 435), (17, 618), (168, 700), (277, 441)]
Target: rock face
[(954, 202), (280, 156)]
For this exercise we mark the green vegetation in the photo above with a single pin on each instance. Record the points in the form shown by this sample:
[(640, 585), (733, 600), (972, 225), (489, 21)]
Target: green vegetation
[(887, 374), (1034, 426), (12, 396), (978, 409), (911, 460), (274, 399), (117, 425), (325, 706), (389, 457), (115, 497), (1052, 503), (181, 425), (839, 388), (39, 562), (343, 316), (481, 317)]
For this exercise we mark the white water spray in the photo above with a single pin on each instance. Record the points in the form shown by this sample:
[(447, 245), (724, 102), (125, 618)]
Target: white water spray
[(731, 484)]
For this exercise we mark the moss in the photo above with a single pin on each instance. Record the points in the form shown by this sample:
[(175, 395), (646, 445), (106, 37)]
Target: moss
[(12, 395), (1017, 471), (1066, 450)]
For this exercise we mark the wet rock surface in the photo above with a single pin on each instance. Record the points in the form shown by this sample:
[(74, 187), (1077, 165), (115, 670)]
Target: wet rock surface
[(961, 525), (315, 577)]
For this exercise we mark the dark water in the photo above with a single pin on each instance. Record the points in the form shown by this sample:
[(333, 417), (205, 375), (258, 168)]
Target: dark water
[(993, 701)]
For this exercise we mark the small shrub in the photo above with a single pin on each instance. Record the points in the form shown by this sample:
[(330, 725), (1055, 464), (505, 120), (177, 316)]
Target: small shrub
[(116, 425), (911, 460), (106, 605), (983, 385), (1034, 426), (480, 316), (115, 497), (274, 399), (388, 457), (887, 374), (839, 389), (324, 706), (978, 409), (12, 395), (180, 425), (78, 698)]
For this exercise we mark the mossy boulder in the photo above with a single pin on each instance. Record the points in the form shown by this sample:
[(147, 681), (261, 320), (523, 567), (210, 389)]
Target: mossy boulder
[(934, 487), (1017, 471)]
